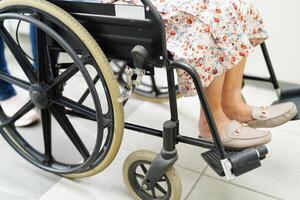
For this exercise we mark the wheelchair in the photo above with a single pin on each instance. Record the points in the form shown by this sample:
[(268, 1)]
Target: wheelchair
[(133, 36)]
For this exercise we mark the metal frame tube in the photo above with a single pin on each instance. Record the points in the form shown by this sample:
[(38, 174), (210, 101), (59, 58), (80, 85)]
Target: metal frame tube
[(269, 65), (256, 78), (180, 138), (172, 95), (202, 98)]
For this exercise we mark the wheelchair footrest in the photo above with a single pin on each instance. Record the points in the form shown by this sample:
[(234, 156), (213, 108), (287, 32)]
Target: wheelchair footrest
[(214, 161), (241, 161)]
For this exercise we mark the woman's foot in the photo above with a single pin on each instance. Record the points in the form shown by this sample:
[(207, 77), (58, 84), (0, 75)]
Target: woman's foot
[(258, 117), (236, 109), (12, 105), (272, 116), (234, 135), (221, 121), (239, 112)]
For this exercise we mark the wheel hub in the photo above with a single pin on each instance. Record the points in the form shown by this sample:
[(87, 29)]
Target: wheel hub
[(39, 96)]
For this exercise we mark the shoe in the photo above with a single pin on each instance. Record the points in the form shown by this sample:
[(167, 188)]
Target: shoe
[(12, 105), (276, 115), (239, 136)]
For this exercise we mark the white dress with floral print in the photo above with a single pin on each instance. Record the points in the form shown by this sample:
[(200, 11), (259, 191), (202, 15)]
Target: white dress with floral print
[(210, 35)]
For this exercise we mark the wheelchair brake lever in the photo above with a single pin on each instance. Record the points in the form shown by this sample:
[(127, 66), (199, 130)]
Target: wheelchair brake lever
[(133, 78)]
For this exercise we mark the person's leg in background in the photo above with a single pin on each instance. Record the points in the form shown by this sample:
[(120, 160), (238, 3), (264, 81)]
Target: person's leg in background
[(9, 100), (33, 32), (6, 89)]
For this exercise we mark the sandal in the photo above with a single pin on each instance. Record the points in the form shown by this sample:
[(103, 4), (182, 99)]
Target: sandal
[(276, 115), (12, 105)]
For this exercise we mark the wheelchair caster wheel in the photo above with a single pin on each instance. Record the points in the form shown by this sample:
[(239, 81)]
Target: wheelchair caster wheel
[(61, 146), (134, 170)]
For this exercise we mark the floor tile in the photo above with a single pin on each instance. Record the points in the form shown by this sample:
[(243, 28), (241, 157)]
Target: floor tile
[(108, 184), (292, 127), (213, 189), (19, 179), (280, 171)]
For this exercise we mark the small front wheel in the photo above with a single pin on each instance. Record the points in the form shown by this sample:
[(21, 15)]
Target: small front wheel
[(135, 169)]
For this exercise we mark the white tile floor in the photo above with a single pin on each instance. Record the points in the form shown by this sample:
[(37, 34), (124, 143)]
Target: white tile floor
[(276, 179)]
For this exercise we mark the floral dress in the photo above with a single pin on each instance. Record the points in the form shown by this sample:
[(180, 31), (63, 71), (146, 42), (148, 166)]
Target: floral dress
[(210, 35)]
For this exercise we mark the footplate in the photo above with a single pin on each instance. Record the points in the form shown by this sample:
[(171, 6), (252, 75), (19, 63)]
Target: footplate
[(240, 161)]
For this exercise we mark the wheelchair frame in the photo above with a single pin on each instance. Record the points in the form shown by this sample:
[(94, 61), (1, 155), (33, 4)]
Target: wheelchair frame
[(272, 79), (171, 136), (165, 62), (170, 133), (119, 38)]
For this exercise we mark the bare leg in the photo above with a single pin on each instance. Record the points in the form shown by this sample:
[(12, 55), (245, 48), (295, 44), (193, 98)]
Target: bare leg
[(214, 96), (232, 103)]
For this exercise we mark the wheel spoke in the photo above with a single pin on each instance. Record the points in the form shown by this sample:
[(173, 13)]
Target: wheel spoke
[(162, 190), (42, 57), (69, 73), (25, 109), (144, 169), (18, 54), (87, 92), (154, 86), (15, 81), (79, 110), (153, 193), (78, 114), (65, 76), (76, 107), (46, 123), (69, 130), (139, 176)]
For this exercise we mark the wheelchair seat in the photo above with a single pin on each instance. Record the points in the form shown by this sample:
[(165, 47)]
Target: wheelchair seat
[(118, 31)]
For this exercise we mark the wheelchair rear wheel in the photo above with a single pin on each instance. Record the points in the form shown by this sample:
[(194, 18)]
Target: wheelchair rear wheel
[(53, 92)]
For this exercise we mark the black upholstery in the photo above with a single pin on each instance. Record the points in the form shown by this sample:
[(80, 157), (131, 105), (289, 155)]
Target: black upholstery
[(118, 36)]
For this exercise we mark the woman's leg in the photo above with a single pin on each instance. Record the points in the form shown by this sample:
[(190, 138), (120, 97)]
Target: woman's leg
[(233, 134), (6, 89), (214, 96), (232, 102)]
